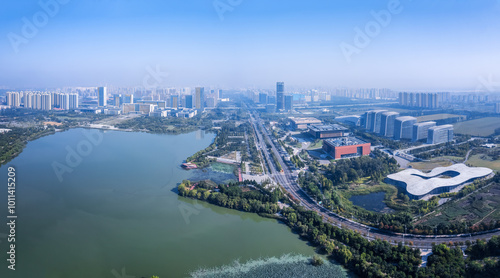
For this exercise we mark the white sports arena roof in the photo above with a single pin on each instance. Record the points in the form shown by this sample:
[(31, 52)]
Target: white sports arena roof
[(419, 183)]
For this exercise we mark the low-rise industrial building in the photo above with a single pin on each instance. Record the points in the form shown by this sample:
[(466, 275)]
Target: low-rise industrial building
[(328, 131), (346, 147)]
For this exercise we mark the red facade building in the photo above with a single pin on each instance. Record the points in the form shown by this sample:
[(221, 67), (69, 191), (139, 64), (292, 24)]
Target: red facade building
[(346, 147)]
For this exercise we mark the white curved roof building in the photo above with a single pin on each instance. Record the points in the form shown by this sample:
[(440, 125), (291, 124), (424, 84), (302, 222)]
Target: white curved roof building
[(439, 180)]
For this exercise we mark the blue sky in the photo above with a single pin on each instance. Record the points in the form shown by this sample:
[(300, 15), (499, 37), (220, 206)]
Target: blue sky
[(426, 45)]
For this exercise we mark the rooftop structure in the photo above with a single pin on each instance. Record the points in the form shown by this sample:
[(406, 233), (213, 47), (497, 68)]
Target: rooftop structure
[(327, 131), (441, 179), (303, 123)]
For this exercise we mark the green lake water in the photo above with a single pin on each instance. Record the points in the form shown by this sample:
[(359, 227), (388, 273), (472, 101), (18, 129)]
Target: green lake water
[(114, 212)]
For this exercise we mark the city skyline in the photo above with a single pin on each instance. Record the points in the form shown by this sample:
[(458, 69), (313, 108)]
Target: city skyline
[(378, 44)]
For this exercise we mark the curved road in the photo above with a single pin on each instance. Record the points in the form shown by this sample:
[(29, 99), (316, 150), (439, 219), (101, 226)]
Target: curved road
[(289, 183)]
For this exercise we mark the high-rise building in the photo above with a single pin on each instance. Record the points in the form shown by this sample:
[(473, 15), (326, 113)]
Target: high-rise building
[(64, 101), (28, 100), (46, 103), (263, 98), (37, 101), (280, 95), (73, 101), (199, 98), (102, 94), (271, 100), (174, 101), (211, 102), (189, 101), (420, 130), (127, 99), (117, 100), (403, 127), (288, 103), (13, 99), (440, 134), (373, 119), (387, 123), (424, 100), (497, 107)]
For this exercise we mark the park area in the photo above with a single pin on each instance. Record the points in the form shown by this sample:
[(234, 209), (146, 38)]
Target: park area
[(476, 208), (478, 127), (489, 158)]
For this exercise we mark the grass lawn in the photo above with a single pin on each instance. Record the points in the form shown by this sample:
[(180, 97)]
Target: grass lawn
[(314, 146), (437, 117), (482, 160), (478, 127)]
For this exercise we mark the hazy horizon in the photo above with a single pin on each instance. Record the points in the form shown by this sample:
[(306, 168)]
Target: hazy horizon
[(413, 45)]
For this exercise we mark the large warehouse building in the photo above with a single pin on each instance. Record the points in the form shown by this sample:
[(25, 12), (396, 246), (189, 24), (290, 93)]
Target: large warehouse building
[(328, 131), (441, 179), (346, 147)]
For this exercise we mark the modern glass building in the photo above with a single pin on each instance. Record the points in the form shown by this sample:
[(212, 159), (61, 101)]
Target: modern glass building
[(387, 123), (420, 130), (403, 127), (102, 94), (280, 95)]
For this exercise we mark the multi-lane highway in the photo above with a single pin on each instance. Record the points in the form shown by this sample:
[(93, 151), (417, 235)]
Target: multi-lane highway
[(288, 182)]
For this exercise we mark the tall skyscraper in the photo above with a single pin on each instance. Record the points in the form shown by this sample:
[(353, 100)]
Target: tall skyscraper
[(189, 101), (280, 95), (102, 94), (73, 101), (127, 99), (174, 101), (117, 100), (13, 99), (46, 102), (28, 100), (199, 99), (64, 101), (263, 98), (288, 103)]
